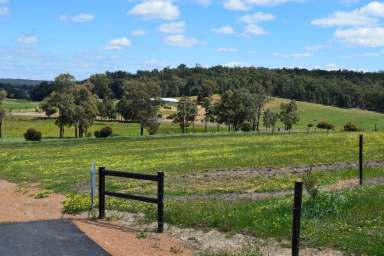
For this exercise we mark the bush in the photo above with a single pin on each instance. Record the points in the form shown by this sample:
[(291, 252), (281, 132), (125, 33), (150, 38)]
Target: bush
[(246, 127), (104, 132), (32, 135), (349, 127), (310, 183), (325, 125), (152, 127)]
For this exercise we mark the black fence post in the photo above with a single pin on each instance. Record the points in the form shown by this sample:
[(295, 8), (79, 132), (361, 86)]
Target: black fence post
[(361, 159), (101, 192), (160, 203), (296, 218)]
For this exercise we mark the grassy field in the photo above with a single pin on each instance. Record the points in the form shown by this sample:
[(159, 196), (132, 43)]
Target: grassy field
[(14, 127), (63, 166), (20, 105), (310, 112), (352, 216)]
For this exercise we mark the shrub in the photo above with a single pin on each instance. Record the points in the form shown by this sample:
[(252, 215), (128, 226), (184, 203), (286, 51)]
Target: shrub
[(104, 132), (310, 184), (349, 127), (246, 127), (152, 127), (310, 125), (32, 135), (325, 125)]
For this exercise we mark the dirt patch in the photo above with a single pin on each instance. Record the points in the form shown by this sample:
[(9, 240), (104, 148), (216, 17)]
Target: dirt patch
[(216, 241), (21, 204), (122, 241), (18, 204)]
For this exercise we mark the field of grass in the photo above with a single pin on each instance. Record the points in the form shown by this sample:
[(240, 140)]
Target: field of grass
[(310, 112), (352, 217), (14, 128), (314, 113), (20, 105), (63, 166)]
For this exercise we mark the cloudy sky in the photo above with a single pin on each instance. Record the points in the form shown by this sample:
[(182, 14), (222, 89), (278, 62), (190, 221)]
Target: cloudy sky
[(42, 38)]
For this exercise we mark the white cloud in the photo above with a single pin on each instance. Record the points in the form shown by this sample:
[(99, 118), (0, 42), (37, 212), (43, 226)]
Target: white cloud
[(368, 15), (297, 55), (254, 30), (139, 32), (117, 44), (271, 2), (245, 5), (225, 30), (4, 10), (153, 63), (27, 39), (227, 49), (172, 28), (257, 17), (369, 37), (79, 18), (156, 9), (300, 55), (234, 64), (236, 5), (332, 67), (182, 41)]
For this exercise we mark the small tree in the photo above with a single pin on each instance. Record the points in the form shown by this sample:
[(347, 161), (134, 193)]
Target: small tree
[(48, 108), (289, 114), (209, 108), (270, 118), (186, 113)]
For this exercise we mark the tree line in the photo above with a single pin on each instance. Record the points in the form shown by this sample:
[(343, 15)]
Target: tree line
[(238, 109), (342, 88), (78, 104)]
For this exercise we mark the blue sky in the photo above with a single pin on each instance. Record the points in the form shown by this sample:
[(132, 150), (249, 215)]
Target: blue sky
[(42, 38)]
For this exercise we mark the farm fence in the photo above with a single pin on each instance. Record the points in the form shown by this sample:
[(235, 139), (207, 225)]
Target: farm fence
[(159, 178)]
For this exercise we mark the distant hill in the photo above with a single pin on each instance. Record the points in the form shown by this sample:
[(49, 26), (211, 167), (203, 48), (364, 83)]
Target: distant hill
[(20, 81)]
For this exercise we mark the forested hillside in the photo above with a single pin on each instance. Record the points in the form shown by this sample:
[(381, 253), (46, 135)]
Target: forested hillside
[(347, 89)]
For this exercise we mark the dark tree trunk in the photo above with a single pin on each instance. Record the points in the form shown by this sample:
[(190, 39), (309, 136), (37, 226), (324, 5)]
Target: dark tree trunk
[(1, 124), (141, 128)]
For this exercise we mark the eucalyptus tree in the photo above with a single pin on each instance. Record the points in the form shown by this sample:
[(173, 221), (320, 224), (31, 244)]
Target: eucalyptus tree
[(140, 102), (236, 107), (289, 114), (185, 114)]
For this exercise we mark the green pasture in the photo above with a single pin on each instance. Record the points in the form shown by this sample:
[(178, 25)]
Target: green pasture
[(315, 113), (20, 105), (63, 164), (15, 126)]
